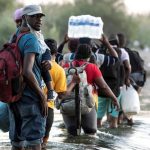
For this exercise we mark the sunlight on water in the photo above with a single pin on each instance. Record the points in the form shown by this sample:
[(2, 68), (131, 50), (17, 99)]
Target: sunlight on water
[(125, 137)]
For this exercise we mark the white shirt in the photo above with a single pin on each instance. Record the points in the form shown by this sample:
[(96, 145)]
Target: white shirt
[(124, 55)]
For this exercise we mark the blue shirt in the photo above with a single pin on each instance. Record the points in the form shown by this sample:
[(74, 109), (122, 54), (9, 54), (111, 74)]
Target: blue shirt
[(29, 44)]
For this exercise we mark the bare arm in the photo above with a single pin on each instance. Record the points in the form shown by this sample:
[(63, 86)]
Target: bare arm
[(30, 79), (61, 46), (70, 86), (100, 82), (62, 95), (127, 67)]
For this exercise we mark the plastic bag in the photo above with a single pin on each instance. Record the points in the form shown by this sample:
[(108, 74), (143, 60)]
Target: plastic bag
[(130, 101)]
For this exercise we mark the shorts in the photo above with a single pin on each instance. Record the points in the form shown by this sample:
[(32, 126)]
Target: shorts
[(105, 105), (27, 125)]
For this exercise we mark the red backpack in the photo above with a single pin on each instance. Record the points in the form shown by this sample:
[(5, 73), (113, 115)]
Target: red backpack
[(11, 79)]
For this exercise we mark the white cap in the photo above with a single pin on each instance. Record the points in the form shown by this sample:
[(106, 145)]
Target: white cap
[(32, 10)]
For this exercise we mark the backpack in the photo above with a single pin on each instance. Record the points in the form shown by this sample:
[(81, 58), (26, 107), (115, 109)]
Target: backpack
[(138, 73), (113, 75), (11, 79), (85, 92)]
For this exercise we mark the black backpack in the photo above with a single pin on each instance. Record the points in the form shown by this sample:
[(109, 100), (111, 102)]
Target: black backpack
[(138, 72), (114, 76), (137, 63)]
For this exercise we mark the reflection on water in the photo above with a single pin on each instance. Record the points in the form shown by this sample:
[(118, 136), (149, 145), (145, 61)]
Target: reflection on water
[(125, 137)]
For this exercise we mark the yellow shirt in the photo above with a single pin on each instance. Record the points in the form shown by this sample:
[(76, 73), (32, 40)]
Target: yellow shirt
[(58, 80)]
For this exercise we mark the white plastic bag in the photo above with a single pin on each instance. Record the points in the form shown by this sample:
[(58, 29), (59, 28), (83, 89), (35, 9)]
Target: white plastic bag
[(130, 101)]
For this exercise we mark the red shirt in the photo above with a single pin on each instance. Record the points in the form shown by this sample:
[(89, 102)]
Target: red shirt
[(92, 71)]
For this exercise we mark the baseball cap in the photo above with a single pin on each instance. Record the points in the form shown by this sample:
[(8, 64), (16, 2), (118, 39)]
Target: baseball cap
[(32, 10), (18, 14)]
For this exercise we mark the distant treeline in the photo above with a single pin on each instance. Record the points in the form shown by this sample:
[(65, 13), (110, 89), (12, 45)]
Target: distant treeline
[(112, 12)]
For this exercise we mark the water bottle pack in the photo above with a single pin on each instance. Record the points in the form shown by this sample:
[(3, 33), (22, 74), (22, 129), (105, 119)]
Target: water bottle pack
[(85, 26)]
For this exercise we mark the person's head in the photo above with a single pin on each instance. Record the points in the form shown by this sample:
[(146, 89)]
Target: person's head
[(85, 40), (17, 16), (52, 44), (73, 45), (32, 16), (113, 40), (83, 52), (122, 39)]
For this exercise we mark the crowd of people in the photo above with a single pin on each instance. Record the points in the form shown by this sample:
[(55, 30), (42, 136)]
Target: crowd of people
[(107, 66)]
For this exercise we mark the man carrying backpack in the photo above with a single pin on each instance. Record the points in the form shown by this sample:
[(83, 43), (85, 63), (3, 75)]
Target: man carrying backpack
[(127, 66), (28, 115), (111, 74), (138, 72), (135, 72)]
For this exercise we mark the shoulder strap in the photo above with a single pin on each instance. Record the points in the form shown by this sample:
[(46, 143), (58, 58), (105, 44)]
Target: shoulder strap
[(85, 64), (72, 66), (77, 64), (19, 36)]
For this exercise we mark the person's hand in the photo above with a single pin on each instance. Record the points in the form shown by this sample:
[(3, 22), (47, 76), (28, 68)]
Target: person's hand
[(46, 65), (104, 39), (66, 38), (127, 82), (116, 104), (76, 79), (44, 106)]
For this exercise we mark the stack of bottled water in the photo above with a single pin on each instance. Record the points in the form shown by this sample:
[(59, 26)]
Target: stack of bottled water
[(85, 26)]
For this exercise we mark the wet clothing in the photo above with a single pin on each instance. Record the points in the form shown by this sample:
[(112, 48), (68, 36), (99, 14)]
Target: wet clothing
[(111, 74), (89, 120), (27, 125), (88, 123), (105, 105)]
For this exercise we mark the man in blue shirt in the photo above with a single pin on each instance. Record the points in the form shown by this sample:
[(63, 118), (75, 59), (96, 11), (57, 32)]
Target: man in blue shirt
[(27, 116)]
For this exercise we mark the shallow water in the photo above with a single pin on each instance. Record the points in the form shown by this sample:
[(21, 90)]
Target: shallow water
[(125, 137)]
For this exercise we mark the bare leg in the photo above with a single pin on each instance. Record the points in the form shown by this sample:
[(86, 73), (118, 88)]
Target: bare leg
[(120, 118), (36, 147), (99, 122), (17, 148), (113, 122)]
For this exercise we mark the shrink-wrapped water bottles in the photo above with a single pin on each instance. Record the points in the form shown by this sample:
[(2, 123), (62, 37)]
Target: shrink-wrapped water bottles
[(85, 26)]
